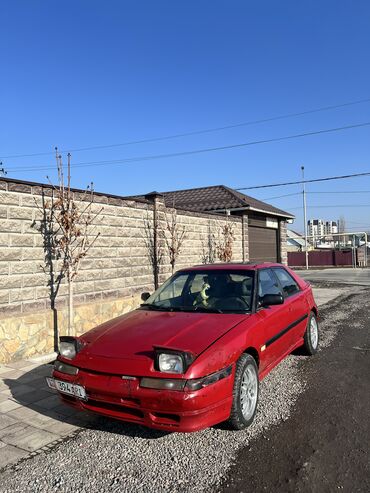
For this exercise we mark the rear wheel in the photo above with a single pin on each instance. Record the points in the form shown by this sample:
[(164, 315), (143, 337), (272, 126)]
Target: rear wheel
[(245, 393), (311, 337)]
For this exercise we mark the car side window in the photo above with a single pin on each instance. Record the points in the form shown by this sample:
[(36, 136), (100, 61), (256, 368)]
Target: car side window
[(174, 289), (287, 282), (267, 283), (197, 283)]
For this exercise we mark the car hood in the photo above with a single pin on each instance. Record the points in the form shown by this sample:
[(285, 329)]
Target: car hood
[(125, 344)]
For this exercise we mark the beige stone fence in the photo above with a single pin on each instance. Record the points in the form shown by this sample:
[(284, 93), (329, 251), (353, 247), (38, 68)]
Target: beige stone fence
[(112, 277)]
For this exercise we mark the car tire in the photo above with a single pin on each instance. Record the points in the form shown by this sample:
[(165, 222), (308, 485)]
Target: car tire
[(245, 393), (311, 336)]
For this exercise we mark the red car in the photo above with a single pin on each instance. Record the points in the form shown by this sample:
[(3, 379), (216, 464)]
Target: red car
[(193, 353)]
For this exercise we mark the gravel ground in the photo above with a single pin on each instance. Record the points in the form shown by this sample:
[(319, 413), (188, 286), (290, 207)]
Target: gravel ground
[(326, 439), (119, 456)]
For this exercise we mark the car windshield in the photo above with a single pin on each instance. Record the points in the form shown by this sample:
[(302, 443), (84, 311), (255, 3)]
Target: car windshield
[(208, 291)]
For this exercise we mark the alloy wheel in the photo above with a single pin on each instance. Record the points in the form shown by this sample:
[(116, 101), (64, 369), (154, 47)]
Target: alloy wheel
[(314, 335), (248, 392)]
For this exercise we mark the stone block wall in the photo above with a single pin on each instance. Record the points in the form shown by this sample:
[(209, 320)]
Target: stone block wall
[(115, 267), (111, 278), (197, 228)]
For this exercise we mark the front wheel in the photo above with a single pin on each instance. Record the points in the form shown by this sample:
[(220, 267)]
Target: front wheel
[(245, 393), (311, 337)]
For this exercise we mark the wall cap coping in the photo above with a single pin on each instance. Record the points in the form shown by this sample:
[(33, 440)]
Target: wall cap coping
[(32, 187), (22, 186)]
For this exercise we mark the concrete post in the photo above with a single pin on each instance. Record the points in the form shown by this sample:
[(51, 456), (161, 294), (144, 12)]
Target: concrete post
[(283, 242), (245, 238)]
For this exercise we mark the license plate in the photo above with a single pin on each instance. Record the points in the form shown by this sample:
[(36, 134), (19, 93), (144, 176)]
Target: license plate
[(68, 388)]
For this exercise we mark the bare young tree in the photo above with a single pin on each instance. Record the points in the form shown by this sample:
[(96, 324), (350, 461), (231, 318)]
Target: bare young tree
[(153, 236), (47, 228), (225, 242), (3, 171), (341, 224), (69, 233), (208, 255), (174, 237), (341, 229)]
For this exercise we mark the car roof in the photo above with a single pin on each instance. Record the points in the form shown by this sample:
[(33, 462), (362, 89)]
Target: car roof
[(233, 266)]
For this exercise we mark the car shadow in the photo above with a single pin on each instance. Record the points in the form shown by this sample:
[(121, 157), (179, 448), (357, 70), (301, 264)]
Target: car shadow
[(299, 351), (40, 406)]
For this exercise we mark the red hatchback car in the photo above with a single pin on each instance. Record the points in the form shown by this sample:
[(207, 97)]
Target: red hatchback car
[(193, 353)]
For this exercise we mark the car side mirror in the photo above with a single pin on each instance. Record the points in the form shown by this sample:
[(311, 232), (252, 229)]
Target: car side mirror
[(145, 296), (271, 299)]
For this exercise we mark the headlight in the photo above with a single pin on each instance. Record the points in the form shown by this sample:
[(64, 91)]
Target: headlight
[(69, 347), (172, 360), (170, 363)]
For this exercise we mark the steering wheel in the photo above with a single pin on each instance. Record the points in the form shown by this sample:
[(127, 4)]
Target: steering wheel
[(220, 303), (244, 303)]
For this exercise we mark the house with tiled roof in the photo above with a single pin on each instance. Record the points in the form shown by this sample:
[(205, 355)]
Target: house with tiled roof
[(264, 225)]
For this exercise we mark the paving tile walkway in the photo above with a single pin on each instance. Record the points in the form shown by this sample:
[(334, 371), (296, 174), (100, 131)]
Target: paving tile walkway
[(31, 415)]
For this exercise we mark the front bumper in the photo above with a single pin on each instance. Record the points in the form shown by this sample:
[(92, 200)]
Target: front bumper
[(169, 410)]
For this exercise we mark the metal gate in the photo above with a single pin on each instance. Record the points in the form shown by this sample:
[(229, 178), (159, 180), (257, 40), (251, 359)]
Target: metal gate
[(263, 244)]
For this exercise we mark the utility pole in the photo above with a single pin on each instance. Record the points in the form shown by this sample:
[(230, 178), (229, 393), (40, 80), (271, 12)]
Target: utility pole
[(304, 215), (2, 169)]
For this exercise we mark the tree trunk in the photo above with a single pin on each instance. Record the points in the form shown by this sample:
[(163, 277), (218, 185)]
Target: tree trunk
[(155, 246), (70, 308)]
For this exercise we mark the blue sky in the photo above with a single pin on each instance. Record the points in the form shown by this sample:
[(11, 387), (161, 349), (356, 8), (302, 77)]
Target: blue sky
[(83, 73)]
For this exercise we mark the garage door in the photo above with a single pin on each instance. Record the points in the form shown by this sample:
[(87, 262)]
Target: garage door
[(263, 244)]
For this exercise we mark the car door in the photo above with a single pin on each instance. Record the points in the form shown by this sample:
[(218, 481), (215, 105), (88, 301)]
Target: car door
[(274, 320), (295, 304)]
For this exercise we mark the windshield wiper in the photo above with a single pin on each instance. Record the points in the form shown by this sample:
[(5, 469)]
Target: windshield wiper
[(204, 309), (237, 311), (201, 309), (152, 307)]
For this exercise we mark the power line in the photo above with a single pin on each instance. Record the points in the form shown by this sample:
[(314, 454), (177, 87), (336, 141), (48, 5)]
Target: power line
[(342, 191), (283, 184), (281, 196), (330, 206), (357, 227), (354, 222), (200, 151), (310, 193), (197, 132)]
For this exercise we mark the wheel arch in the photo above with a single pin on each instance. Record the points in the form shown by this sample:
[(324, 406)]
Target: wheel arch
[(254, 353), (315, 311)]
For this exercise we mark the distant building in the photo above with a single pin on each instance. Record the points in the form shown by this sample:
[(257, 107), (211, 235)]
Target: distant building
[(317, 228), (331, 227)]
